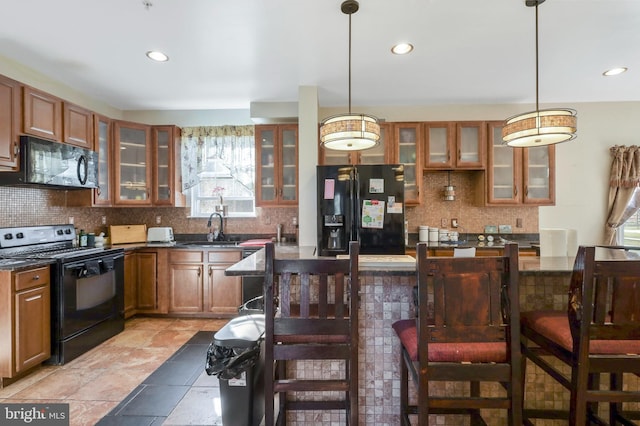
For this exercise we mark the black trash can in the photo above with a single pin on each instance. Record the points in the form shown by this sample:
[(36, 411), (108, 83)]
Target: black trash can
[(236, 357)]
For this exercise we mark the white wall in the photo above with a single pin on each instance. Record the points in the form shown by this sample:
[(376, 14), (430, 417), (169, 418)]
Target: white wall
[(583, 166), (307, 161)]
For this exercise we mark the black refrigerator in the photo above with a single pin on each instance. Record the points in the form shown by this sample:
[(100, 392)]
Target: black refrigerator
[(362, 203)]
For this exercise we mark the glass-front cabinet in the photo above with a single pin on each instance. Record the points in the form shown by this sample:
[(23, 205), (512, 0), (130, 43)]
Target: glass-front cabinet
[(518, 175), (102, 144), (379, 154), (163, 142), (454, 145), (539, 175), (277, 168), (407, 151), (133, 159)]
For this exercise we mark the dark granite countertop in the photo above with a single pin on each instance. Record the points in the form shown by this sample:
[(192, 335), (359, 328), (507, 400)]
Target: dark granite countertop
[(524, 241), (19, 264)]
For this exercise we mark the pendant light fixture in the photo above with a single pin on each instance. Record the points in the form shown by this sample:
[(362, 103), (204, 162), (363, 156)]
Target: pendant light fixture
[(349, 132), (449, 190), (540, 127)]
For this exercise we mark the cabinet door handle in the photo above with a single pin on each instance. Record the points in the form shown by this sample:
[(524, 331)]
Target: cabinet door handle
[(36, 277), (526, 191), (16, 148), (32, 298), (515, 190), (199, 272), (210, 270), (459, 155)]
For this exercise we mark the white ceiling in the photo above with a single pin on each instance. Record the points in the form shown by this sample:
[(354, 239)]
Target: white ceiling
[(225, 54)]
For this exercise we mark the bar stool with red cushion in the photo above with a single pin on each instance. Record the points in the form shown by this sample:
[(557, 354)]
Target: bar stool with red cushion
[(599, 333), (462, 333)]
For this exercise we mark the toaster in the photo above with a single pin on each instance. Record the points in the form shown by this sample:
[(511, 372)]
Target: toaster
[(162, 234)]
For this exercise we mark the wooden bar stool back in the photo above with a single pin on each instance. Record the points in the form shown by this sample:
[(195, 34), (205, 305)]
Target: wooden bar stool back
[(463, 334), (311, 315), (599, 333)]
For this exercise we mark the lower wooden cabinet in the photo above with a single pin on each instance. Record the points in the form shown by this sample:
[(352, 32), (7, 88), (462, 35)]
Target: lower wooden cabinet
[(147, 297), (223, 294), (182, 282), (144, 290), (130, 284), (186, 281), (25, 320), (198, 286)]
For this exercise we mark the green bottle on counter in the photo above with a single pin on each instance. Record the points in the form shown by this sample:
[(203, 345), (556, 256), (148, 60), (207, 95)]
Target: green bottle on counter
[(83, 238)]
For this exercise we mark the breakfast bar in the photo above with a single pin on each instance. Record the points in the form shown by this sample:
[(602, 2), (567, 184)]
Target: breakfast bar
[(386, 296)]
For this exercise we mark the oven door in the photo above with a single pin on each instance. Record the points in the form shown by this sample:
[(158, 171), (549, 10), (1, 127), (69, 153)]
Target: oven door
[(92, 292)]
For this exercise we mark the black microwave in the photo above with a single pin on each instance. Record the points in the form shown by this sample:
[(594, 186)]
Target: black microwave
[(53, 164)]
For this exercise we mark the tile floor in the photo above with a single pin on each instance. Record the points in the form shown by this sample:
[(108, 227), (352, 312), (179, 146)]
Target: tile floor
[(96, 382)]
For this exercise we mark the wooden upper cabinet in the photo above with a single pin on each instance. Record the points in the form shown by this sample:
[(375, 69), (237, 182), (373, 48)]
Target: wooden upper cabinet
[(52, 118), (103, 144), (42, 114), (277, 165), (77, 125), (132, 156), (406, 149), (517, 176), (10, 117), (167, 180), (453, 145)]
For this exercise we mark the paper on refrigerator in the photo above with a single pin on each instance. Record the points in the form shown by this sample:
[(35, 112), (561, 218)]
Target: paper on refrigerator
[(372, 214)]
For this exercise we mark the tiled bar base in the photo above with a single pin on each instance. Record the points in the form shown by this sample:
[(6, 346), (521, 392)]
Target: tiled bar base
[(387, 297)]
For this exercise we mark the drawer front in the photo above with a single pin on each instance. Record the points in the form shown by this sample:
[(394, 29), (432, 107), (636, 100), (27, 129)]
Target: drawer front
[(225, 256), (185, 256), (31, 278)]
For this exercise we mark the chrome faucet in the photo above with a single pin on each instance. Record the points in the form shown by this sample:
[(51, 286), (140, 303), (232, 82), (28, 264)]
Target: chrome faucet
[(216, 235)]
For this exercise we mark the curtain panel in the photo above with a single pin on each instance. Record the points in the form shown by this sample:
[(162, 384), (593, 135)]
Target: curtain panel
[(201, 144), (624, 200)]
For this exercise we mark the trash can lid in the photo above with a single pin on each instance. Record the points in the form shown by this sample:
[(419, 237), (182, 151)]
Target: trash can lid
[(240, 332)]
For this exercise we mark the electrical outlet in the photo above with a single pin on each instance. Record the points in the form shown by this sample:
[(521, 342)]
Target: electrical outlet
[(454, 223), (104, 220), (443, 222), (158, 220), (519, 222), (71, 220)]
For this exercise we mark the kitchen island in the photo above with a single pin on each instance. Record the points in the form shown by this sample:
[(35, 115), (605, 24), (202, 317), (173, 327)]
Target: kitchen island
[(386, 296)]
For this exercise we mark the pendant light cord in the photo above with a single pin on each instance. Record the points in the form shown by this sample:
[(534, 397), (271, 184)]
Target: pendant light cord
[(537, 66), (350, 63)]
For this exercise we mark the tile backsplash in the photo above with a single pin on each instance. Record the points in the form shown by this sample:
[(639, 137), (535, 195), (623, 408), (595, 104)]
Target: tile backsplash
[(25, 206)]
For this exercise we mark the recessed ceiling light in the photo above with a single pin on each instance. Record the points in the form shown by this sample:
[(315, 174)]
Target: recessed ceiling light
[(157, 56), (614, 71), (402, 48)]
